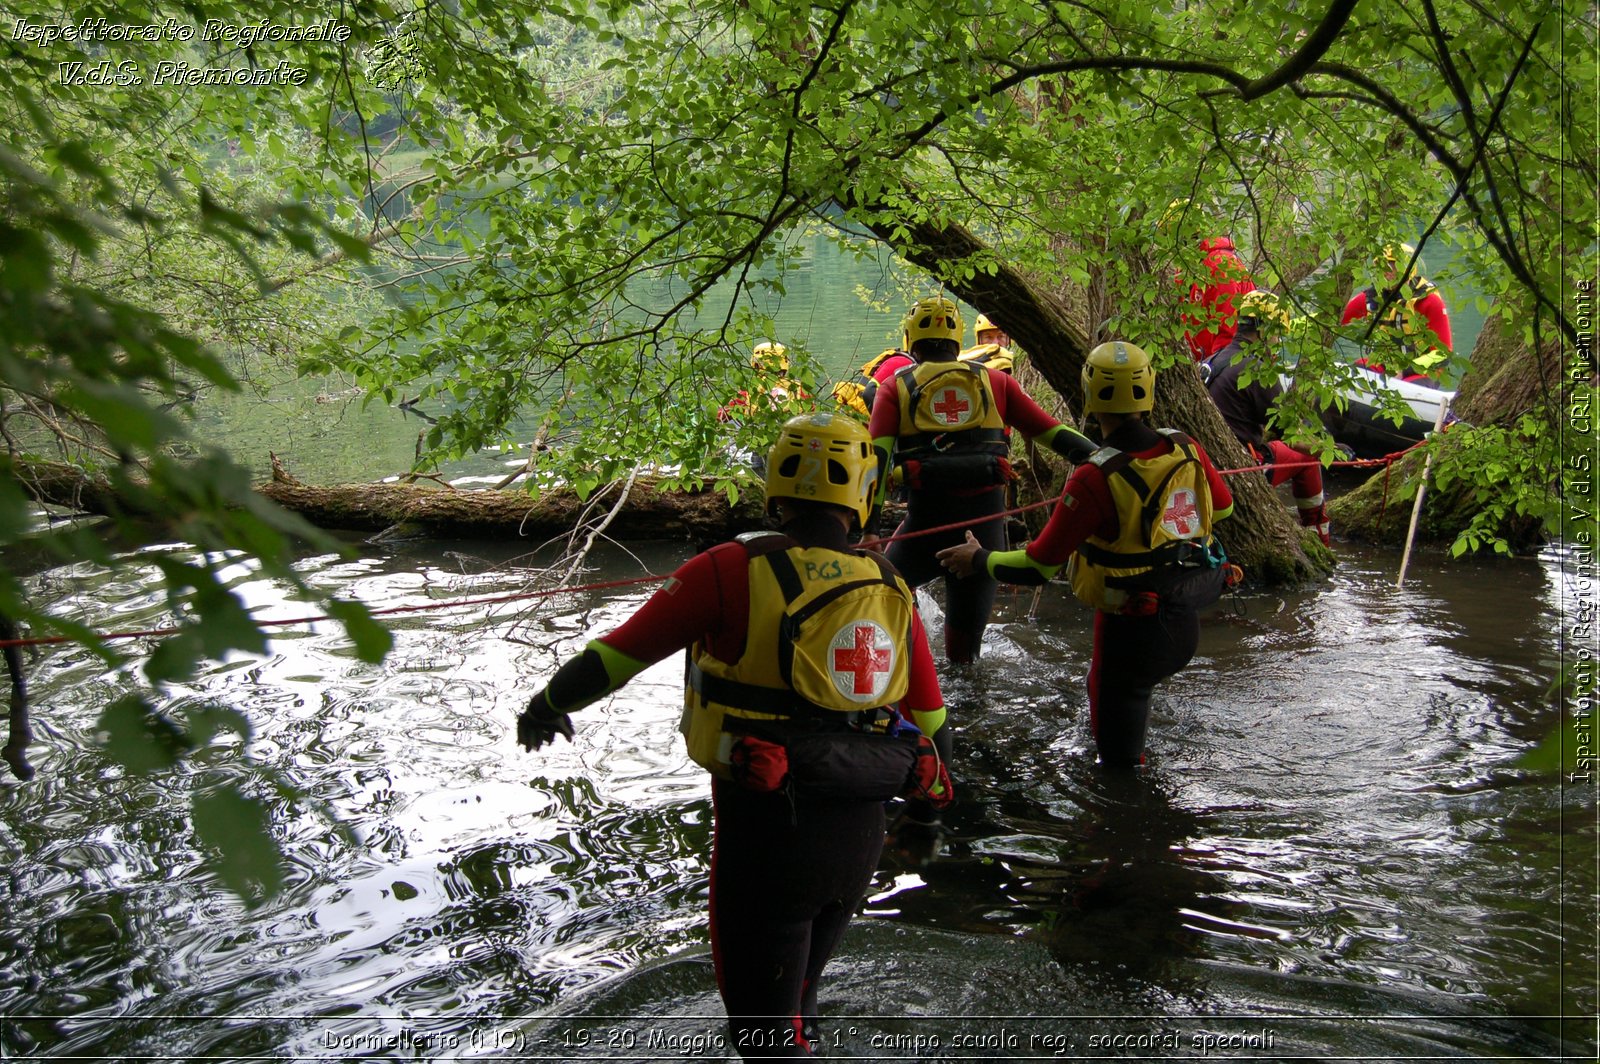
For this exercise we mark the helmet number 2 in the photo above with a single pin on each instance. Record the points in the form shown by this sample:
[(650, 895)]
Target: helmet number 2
[(808, 477)]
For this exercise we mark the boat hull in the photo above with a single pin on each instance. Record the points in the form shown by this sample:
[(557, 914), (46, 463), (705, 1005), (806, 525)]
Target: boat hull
[(1373, 434)]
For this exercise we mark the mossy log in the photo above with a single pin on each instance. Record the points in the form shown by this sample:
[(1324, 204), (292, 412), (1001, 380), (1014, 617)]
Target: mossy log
[(435, 510), (650, 512)]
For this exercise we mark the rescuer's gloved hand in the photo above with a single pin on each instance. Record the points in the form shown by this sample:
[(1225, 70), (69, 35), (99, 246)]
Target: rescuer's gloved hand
[(931, 780), (539, 724), (915, 837)]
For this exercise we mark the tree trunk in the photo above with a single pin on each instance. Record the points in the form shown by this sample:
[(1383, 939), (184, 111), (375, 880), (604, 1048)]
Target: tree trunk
[(1505, 380), (1262, 536)]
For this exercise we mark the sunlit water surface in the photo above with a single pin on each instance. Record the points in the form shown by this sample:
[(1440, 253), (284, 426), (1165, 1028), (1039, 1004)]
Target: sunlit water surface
[(1329, 855)]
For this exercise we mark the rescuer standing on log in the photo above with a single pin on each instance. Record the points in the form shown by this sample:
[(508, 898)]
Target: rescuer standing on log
[(1411, 314), (1247, 407)]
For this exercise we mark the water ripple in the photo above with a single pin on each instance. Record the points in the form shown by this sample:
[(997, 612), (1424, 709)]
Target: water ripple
[(1326, 830)]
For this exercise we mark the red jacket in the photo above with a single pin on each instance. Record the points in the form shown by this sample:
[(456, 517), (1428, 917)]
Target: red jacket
[(1430, 308), (1210, 319)]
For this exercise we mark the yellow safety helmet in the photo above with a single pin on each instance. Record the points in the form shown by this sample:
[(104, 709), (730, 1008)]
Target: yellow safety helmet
[(1395, 257), (821, 457), (770, 355), (982, 324), (1260, 310), (933, 318), (1175, 211), (1117, 379)]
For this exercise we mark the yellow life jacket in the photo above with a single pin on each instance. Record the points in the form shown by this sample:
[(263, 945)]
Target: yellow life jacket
[(828, 643), (859, 389), (1402, 316), (947, 408), (1163, 526), (789, 395), (992, 355)]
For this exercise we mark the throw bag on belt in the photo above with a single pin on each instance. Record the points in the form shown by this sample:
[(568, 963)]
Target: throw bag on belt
[(958, 472), (860, 766), (1196, 588)]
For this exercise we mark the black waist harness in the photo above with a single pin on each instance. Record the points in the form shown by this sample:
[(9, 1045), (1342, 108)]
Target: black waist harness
[(778, 702), (926, 445)]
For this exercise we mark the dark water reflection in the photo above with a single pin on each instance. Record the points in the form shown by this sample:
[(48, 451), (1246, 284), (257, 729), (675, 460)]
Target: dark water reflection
[(1328, 856)]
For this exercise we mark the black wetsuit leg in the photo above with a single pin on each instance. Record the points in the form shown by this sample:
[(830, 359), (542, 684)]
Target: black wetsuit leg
[(785, 882), (1131, 656), (968, 601)]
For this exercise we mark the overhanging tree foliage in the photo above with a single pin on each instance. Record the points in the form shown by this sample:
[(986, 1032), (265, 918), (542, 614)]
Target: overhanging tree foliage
[(1315, 136)]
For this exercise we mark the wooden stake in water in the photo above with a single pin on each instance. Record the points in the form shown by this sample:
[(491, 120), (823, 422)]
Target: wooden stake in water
[(1422, 488)]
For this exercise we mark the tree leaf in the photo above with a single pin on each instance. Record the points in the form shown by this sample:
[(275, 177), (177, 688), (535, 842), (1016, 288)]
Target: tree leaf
[(244, 856), (175, 658), (372, 640), (139, 738), (207, 722), (1554, 753)]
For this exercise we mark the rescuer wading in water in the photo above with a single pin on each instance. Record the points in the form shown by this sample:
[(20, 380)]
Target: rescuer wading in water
[(944, 423), (1134, 528), (810, 696)]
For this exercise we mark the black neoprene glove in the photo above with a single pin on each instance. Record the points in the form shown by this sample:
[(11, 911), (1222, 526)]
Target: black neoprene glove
[(540, 724), (915, 836)]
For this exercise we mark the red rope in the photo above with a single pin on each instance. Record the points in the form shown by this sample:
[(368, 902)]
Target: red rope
[(145, 633), (488, 600), (1352, 463)]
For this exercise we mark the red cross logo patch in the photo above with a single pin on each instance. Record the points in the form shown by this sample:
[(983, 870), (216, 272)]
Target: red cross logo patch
[(862, 657), (951, 406), (1182, 517)]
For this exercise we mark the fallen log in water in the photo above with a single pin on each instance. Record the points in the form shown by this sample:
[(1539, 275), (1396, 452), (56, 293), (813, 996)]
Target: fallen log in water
[(433, 510)]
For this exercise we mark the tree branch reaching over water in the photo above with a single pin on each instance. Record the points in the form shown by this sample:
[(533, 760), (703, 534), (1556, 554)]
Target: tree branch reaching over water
[(16, 748)]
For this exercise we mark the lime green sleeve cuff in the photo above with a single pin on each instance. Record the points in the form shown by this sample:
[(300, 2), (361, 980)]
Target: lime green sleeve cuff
[(593, 674), (929, 721), (1016, 567), (619, 667), (1068, 442)]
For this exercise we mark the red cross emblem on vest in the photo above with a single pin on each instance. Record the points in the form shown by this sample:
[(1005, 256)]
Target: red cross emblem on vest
[(860, 665), (1182, 517), (952, 407)]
